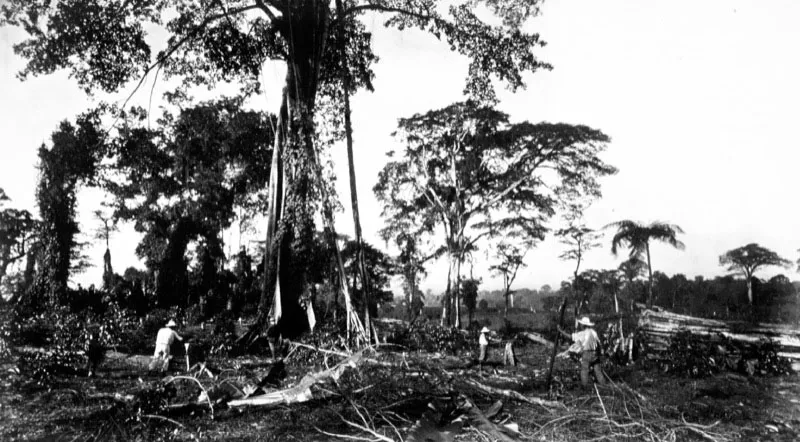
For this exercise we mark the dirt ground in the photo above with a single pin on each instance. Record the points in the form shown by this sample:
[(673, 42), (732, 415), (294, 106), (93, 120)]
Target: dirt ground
[(639, 404)]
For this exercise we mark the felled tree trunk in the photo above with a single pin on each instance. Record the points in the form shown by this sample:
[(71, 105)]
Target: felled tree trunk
[(659, 327)]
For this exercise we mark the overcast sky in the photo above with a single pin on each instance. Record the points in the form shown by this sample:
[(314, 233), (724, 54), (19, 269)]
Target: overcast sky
[(701, 100)]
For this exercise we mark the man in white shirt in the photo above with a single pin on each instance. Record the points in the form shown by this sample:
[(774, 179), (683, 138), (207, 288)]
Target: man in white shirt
[(166, 336), (483, 342), (590, 343)]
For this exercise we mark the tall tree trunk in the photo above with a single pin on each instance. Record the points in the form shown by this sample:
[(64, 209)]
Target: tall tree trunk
[(269, 291), (348, 130), (30, 266), (290, 225), (505, 306), (555, 342), (575, 290), (616, 309), (172, 278), (296, 224), (749, 289), (447, 294), (457, 298), (649, 277)]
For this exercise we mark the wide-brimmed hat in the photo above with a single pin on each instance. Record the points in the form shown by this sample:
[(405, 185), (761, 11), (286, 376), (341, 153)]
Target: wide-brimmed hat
[(585, 321), (171, 323), (485, 330)]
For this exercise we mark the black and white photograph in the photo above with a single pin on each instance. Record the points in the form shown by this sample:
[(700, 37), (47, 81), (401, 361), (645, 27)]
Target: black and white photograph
[(399, 220)]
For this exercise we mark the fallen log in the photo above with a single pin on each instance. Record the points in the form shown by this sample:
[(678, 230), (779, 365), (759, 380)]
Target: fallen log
[(657, 328), (302, 391)]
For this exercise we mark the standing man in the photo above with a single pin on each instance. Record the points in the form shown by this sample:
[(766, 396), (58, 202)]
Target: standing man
[(589, 342), (166, 336), (483, 342)]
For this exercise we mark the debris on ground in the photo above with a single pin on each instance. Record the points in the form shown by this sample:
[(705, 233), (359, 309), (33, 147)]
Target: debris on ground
[(395, 392)]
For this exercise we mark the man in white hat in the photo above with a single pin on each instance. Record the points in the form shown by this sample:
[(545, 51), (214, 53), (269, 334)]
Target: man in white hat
[(484, 345), (166, 336), (589, 342)]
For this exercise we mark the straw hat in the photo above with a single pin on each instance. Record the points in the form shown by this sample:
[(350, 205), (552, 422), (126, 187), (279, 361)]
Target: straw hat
[(171, 323), (585, 321), (485, 330)]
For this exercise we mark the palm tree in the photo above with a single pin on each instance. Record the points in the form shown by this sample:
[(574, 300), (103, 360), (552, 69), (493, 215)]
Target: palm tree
[(636, 237)]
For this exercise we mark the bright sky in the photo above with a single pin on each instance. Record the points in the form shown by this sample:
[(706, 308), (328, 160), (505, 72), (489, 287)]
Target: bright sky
[(700, 99)]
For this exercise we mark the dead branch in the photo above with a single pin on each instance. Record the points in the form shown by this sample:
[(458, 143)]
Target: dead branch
[(345, 436), (119, 397), (513, 395), (200, 384), (378, 436), (483, 425), (320, 350), (346, 355), (162, 418)]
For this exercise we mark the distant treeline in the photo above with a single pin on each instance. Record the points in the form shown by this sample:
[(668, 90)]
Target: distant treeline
[(724, 297), (523, 298)]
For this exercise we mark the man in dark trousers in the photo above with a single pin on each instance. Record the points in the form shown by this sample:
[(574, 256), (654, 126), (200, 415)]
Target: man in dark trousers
[(589, 342)]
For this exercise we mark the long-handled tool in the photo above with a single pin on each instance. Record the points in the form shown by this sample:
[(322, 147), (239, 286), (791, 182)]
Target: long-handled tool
[(555, 342)]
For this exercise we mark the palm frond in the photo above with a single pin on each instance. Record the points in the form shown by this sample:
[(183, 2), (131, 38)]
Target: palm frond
[(636, 236), (628, 236), (667, 233)]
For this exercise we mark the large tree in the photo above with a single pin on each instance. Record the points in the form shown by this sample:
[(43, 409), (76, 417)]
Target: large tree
[(465, 169), (747, 259), (103, 45), (637, 236), (70, 161), (181, 180)]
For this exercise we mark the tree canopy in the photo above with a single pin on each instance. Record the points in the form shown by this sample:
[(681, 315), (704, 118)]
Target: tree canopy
[(469, 171), (182, 180), (104, 46), (747, 259)]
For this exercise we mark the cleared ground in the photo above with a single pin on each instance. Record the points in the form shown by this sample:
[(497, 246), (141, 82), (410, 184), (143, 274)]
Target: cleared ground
[(399, 391)]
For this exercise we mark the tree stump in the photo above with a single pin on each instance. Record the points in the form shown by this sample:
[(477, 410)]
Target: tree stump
[(508, 355)]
